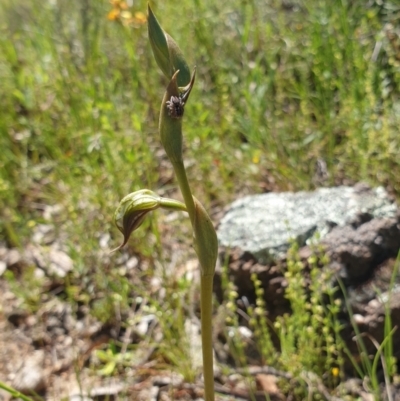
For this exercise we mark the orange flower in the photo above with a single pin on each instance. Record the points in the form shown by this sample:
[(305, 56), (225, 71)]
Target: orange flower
[(121, 4), (113, 15), (120, 12), (140, 17)]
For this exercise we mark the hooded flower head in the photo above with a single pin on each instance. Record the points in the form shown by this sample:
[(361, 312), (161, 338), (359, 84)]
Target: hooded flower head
[(133, 209)]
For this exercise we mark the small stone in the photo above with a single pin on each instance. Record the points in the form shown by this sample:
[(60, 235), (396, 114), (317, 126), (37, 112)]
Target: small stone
[(148, 394), (374, 303), (122, 259), (359, 319), (173, 379), (13, 257), (44, 234), (132, 263), (245, 332), (30, 377), (78, 397), (108, 391), (39, 273), (164, 396), (143, 326), (50, 211), (31, 320), (3, 267), (104, 240), (268, 384), (60, 263), (192, 330)]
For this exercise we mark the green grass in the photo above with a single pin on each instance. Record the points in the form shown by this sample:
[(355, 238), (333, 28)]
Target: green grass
[(279, 85), (277, 89)]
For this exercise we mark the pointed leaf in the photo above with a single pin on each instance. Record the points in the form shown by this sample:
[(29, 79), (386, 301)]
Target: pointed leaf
[(206, 241), (167, 53), (159, 45)]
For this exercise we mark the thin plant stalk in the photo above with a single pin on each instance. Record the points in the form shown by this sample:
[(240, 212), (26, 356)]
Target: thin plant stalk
[(206, 288), (184, 186), (14, 393), (135, 206), (206, 292)]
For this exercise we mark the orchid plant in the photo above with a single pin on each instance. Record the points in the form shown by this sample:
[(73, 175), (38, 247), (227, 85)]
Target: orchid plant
[(133, 209)]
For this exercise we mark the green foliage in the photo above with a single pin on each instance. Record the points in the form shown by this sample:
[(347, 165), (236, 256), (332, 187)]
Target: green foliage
[(310, 336), (367, 366), (309, 339), (260, 325), (281, 88), (112, 359), (237, 345), (15, 393), (27, 287), (175, 349)]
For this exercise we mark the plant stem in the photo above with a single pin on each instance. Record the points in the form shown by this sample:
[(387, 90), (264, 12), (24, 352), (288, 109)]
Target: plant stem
[(206, 288), (183, 182), (206, 284), (14, 393)]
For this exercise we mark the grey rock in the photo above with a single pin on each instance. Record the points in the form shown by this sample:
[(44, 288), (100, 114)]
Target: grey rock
[(359, 232), (356, 251), (265, 225)]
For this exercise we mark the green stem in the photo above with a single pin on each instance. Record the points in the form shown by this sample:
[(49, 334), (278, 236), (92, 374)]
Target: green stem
[(183, 182), (206, 335), (172, 204), (14, 393), (206, 286)]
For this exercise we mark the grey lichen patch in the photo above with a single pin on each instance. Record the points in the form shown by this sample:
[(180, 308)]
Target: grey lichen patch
[(265, 225)]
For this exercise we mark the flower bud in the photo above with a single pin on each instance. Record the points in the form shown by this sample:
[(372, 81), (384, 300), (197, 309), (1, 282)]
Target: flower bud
[(134, 207), (170, 124), (167, 53)]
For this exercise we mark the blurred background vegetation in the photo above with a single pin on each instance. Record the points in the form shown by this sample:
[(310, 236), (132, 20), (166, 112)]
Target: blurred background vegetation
[(282, 87)]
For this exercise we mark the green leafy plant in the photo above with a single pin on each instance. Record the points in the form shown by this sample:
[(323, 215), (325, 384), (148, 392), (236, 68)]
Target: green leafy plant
[(112, 359), (30, 292), (313, 323), (135, 206)]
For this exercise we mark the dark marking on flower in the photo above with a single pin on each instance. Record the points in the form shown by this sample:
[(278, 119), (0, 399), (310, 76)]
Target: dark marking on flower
[(175, 107)]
